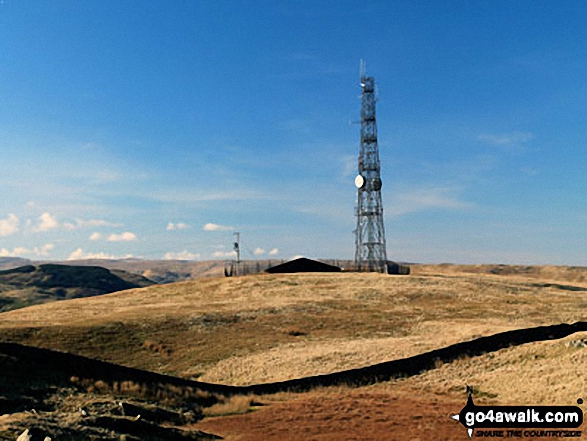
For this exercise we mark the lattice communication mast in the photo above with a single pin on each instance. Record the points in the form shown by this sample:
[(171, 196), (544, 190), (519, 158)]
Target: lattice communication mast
[(370, 249)]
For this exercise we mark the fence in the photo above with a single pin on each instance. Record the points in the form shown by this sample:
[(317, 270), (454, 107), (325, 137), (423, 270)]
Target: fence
[(245, 267)]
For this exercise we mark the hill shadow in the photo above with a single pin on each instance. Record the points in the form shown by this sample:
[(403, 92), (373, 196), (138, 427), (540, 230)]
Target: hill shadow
[(31, 285), (20, 365)]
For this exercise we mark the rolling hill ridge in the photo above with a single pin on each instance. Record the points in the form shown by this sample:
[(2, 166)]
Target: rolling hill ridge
[(30, 285)]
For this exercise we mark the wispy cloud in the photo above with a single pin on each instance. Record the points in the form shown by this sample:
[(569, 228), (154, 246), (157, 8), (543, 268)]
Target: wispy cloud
[(178, 226), (274, 251), (127, 236), (108, 176), (95, 236), (182, 255), (529, 171), (41, 251), (216, 227), (90, 223), (349, 166), (188, 195), (79, 254), (224, 254), (423, 199), (15, 252), (258, 251), (506, 139), (331, 210), (44, 250), (45, 223), (10, 225)]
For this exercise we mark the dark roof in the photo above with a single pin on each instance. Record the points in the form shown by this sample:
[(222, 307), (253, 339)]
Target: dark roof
[(398, 268), (303, 265)]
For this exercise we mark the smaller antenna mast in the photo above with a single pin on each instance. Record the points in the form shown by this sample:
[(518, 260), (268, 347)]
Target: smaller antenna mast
[(237, 247), (363, 69)]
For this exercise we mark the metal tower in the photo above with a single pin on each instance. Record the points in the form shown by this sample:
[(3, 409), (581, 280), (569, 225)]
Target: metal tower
[(370, 251)]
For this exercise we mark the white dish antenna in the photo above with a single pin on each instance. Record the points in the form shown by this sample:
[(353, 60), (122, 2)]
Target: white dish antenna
[(359, 181)]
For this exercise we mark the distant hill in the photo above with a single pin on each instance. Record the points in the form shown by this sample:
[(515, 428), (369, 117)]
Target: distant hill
[(12, 262), (30, 285), (160, 271), (170, 271)]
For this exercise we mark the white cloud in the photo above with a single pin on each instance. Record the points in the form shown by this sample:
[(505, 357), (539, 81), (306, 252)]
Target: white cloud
[(258, 251), (506, 139), (90, 223), (216, 227), (9, 225), (79, 254), (96, 236), (46, 222), (185, 195), (97, 223), (183, 255), (127, 236), (178, 226), (224, 254), (22, 251), (274, 251), (44, 250), (422, 199), (16, 252)]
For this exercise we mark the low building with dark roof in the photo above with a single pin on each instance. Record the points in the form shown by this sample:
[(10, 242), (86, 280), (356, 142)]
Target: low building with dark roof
[(303, 265)]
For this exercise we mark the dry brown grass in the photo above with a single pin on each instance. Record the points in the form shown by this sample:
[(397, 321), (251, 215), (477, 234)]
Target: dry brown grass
[(275, 327), (335, 414), (550, 372), (235, 405), (576, 274)]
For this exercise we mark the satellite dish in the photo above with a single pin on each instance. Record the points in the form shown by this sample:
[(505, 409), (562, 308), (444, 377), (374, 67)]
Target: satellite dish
[(359, 181), (377, 184)]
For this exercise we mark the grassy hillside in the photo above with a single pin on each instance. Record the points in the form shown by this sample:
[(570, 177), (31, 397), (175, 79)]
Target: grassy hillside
[(30, 285), (540, 272), (265, 328), (274, 327)]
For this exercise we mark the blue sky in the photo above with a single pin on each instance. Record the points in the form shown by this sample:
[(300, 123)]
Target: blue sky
[(156, 129)]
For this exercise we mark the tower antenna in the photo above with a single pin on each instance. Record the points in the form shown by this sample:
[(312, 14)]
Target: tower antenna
[(237, 247), (370, 247)]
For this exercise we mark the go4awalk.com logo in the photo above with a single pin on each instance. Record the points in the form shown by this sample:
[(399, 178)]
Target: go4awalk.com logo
[(520, 421)]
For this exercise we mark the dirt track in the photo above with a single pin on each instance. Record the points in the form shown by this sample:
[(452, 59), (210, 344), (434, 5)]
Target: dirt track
[(361, 414)]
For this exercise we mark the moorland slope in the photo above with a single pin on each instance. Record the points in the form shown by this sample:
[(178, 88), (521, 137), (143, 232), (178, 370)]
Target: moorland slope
[(276, 327), (31, 285), (266, 328)]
